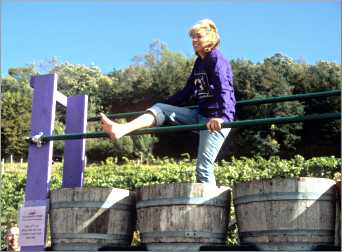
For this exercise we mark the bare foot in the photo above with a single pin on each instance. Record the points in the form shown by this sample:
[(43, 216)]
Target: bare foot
[(114, 130)]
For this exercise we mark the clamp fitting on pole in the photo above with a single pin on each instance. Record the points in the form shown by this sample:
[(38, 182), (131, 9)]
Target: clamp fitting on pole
[(37, 139)]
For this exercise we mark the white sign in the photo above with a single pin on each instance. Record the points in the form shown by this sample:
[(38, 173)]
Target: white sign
[(32, 226)]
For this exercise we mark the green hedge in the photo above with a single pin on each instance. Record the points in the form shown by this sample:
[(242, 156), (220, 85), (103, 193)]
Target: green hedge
[(148, 170), (135, 173)]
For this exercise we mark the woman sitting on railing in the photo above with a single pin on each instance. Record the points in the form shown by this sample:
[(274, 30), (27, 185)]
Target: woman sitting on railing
[(211, 82)]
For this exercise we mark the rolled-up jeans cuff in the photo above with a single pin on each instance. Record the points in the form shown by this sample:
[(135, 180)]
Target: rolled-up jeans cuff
[(158, 114)]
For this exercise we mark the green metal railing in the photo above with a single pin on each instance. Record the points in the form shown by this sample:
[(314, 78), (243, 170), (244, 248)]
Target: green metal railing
[(41, 139), (257, 101), (169, 129)]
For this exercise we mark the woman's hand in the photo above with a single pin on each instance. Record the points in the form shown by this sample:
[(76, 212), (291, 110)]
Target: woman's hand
[(214, 124)]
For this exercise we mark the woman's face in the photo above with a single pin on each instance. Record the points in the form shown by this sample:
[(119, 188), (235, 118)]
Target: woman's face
[(12, 238), (199, 42)]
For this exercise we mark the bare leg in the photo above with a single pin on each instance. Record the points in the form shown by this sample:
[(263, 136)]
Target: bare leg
[(117, 130)]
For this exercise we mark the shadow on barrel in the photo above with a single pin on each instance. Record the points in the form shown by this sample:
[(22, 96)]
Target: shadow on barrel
[(88, 219), (286, 214), (182, 216)]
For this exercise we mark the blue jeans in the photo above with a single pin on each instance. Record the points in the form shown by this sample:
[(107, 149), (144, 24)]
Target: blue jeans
[(210, 143)]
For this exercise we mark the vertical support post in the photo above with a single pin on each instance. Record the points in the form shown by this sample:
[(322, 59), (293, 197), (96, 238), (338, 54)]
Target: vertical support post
[(74, 150), (2, 166), (40, 158)]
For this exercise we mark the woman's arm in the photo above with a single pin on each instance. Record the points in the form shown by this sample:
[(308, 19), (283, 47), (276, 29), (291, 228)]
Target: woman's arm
[(222, 80), (182, 95)]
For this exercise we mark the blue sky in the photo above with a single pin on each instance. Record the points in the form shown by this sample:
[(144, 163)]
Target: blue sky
[(110, 33)]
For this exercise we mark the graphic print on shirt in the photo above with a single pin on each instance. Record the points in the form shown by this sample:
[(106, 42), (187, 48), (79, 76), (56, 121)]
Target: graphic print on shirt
[(202, 86)]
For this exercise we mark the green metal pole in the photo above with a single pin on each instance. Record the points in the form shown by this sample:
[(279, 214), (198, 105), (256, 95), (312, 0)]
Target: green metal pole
[(241, 103), (290, 97), (168, 129)]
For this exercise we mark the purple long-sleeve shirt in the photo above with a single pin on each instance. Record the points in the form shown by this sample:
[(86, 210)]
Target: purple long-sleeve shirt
[(211, 81)]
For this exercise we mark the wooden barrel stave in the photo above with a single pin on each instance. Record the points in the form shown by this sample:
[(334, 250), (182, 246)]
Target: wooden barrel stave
[(294, 214), (183, 213), (89, 218)]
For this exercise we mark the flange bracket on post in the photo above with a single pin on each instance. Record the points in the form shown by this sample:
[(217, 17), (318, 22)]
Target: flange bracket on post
[(37, 139)]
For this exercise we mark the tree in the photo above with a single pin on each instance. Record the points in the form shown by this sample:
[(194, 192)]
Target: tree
[(81, 80), (18, 79), (253, 81), (324, 137), (15, 125), (153, 77), (158, 74)]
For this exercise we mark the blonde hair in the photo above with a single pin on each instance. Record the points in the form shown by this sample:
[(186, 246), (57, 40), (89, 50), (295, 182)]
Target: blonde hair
[(212, 36)]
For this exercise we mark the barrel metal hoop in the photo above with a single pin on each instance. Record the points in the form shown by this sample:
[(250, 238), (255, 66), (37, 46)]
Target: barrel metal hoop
[(182, 234), (174, 246), (91, 236), (287, 245), (182, 201), (278, 196), (289, 232), (78, 246), (90, 204)]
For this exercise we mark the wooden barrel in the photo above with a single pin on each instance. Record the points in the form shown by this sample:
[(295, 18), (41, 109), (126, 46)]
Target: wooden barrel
[(338, 215), (182, 216), (286, 214), (91, 218)]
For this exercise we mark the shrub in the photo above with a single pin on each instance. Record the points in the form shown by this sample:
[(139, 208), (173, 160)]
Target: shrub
[(131, 174)]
